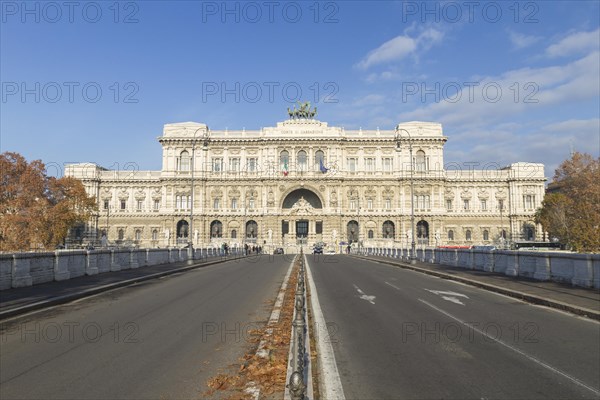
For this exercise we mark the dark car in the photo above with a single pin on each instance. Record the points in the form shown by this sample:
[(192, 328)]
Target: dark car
[(278, 250), (317, 250)]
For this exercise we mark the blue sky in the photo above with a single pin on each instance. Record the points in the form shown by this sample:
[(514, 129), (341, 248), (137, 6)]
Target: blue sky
[(96, 81)]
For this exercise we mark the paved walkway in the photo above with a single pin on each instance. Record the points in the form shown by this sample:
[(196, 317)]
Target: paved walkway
[(575, 299), (18, 300)]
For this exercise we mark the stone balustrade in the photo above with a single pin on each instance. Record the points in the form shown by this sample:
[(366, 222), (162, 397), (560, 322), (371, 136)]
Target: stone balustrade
[(27, 269), (572, 268)]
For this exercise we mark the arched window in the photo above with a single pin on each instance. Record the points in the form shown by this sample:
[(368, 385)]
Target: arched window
[(284, 159), (423, 232), (486, 235), (370, 234), (182, 229), (420, 161), (121, 234), (388, 230), (319, 159), (216, 229), (234, 234), (251, 229), (302, 159), (184, 161), (468, 235), (352, 230), (450, 235), (503, 234)]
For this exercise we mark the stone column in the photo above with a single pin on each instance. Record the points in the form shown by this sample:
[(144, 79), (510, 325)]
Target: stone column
[(92, 263), (61, 266)]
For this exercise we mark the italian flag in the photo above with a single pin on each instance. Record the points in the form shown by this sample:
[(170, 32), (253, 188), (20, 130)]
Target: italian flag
[(285, 169)]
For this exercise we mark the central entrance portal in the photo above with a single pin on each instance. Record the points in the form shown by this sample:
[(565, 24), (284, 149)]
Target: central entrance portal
[(301, 231)]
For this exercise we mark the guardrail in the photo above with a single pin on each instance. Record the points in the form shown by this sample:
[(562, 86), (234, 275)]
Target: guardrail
[(297, 385), (573, 268)]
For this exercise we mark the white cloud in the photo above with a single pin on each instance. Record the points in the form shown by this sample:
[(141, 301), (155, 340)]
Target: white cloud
[(520, 41), (575, 43), (523, 90), (400, 47)]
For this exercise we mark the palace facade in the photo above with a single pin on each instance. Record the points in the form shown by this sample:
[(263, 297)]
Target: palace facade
[(303, 182)]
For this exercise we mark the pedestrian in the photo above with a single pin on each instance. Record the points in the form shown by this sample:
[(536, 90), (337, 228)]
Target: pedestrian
[(245, 249)]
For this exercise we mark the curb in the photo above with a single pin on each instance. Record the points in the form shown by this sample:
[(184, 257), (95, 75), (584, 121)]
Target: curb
[(530, 298), (99, 289)]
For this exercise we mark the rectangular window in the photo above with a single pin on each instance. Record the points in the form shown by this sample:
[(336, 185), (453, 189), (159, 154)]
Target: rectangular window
[(106, 204), (319, 227), (216, 204), (234, 204), (252, 164), (351, 164), (234, 164), (388, 204), (353, 204), (466, 205), (483, 205), (370, 204), (501, 205), (285, 227), (387, 164), (529, 200), (217, 164), (251, 203), (156, 204), (370, 164), (449, 205), (139, 205), (123, 204)]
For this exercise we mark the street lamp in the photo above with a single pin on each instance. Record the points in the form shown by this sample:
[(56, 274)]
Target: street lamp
[(398, 138), (205, 137)]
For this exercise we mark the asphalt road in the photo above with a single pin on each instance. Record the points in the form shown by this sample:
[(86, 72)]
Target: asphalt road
[(156, 340), (399, 334)]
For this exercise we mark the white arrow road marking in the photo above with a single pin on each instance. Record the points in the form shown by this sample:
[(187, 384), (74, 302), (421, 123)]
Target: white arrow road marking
[(363, 296), (449, 296)]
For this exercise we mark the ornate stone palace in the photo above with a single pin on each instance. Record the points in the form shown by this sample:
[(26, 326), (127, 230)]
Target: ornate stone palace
[(303, 182)]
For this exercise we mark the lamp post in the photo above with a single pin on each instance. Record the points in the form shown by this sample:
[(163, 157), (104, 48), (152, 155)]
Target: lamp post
[(204, 147), (398, 137)]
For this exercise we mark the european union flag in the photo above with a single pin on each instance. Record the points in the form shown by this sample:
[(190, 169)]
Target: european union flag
[(322, 167)]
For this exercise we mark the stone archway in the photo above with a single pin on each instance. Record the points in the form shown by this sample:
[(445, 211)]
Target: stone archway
[(295, 195)]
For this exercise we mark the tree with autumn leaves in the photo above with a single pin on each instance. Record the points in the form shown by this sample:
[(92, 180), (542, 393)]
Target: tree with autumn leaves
[(36, 210), (570, 211)]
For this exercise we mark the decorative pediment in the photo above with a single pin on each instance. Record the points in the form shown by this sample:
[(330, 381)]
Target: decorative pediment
[(466, 194), (140, 195), (106, 194), (301, 208), (352, 193), (500, 193), (234, 193), (216, 193), (156, 195), (123, 194), (449, 193), (483, 194)]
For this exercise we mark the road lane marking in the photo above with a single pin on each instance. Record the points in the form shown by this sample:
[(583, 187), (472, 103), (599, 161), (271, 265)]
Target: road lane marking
[(363, 296), (449, 296), (331, 384), (516, 350)]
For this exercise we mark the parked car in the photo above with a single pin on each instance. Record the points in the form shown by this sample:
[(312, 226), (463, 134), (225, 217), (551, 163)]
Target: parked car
[(278, 250), (317, 250)]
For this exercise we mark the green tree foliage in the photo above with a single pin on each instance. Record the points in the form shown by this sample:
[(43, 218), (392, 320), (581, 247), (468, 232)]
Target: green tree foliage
[(571, 211), (37, 211)]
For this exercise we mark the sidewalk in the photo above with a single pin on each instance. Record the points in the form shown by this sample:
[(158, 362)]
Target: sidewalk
[(562, 296), (21, 300)]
